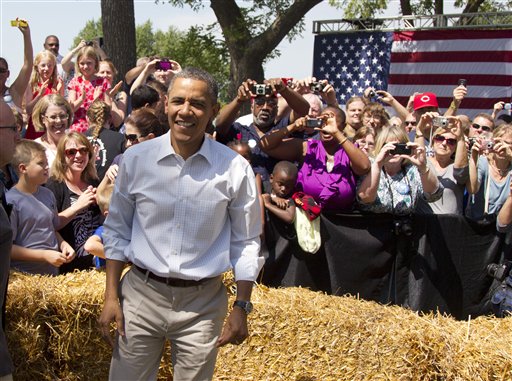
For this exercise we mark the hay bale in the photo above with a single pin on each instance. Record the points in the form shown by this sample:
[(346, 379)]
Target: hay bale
[(296, 334)]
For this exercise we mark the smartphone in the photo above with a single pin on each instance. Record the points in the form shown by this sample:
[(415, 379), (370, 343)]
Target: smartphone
[(401, 149), (163, 65)]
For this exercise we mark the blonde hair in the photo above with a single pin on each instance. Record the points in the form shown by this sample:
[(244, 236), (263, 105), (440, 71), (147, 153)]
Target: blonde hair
[(36, 78), (98, 114), (110, 65), (60, 168), (42, 105), (87, 52), (395, 132), (501, 130)]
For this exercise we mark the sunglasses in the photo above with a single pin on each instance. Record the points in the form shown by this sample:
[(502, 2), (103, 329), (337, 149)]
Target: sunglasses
[(71, 152), (449, 141), (260, 101), (477, 126), (411, 122), (132, 137)]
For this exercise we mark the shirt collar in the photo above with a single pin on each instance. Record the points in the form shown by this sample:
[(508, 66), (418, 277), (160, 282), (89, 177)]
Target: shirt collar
[(166, 149)]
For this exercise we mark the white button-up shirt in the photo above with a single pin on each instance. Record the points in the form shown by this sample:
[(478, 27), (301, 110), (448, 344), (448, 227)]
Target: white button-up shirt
[(188, 219)]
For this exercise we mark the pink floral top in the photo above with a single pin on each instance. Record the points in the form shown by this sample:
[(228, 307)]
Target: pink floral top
[(77, 83)]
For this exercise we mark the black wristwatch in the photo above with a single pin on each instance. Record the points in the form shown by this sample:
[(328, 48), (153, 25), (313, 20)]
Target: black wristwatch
[(246, 306)]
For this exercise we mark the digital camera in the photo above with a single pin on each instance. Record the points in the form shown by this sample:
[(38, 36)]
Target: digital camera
[(401, 149), (17, 23), (488, 144), (261, 89), (403, 226), (89, 43), (499, 271), (462, 82), (507, 106), (164, 65), (316, 87), (440, 121), (314, 122), (372, 94)]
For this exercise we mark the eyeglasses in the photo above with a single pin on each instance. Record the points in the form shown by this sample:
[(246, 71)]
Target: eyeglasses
[(12, 128), (260, 101), (477, 126), (410, 122), (441, 138), (3, 70), (71, 152), (60, 118)]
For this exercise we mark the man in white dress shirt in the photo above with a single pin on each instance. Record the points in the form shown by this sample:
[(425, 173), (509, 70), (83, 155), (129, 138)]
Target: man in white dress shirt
[(184, 210)]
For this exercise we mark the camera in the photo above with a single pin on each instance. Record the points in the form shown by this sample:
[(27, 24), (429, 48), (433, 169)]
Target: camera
[(372, 94), (261, 89), (507, 106), (403, 226), (164, 65), (462, 82), (314, 122), (488, 144), (440, 121), (316, 87), (17, 23), (89, 43), (401, 149), (499, 271)]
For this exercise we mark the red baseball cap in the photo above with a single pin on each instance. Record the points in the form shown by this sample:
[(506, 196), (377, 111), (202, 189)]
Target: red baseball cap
[(425, 100)]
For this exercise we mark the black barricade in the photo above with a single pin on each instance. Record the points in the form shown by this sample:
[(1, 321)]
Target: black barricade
[(438, 265)]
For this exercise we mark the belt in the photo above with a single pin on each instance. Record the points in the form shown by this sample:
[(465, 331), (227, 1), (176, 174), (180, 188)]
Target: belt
[(173, 282)]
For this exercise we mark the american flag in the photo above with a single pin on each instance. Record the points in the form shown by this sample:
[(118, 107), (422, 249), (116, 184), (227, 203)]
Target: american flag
[(417, 61)]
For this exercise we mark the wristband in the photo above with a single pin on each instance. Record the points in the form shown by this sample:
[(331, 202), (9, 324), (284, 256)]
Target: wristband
[(453, 106)]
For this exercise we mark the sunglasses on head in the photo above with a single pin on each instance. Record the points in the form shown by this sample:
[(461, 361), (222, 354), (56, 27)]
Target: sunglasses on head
[(73, 151), (477, 126), (441, 138)]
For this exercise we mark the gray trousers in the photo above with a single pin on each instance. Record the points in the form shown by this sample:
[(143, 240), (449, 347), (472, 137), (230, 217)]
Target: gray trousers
[(190, 317)]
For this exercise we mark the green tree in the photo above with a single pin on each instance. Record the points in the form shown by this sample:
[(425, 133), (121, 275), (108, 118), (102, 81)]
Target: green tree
[(252, 31), (91, 30)]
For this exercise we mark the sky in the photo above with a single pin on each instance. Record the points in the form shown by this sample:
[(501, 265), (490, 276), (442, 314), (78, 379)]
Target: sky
[(65, 19)]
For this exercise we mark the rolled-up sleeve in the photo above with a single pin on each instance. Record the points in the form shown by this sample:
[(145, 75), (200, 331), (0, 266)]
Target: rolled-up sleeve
[(118, 225), (245, 217)]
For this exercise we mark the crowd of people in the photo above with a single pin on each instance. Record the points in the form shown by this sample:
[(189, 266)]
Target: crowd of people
[(185, 212)]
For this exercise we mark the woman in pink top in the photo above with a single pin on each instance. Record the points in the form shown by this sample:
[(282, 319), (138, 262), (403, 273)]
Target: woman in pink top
[(328, 166), (86, 87)]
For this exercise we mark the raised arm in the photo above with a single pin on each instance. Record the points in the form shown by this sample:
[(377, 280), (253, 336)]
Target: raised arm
[(277, 145), (18, 87), (458, 95), (299, 106), (67, 60), (228, 114)]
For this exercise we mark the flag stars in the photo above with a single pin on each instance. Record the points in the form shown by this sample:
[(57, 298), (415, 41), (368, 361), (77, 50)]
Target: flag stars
[(352, 47), (324, 41), (322, 54), (329, 47)]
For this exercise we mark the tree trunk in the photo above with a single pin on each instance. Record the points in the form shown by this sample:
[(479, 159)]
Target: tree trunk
[(118, 23), (247, 52)]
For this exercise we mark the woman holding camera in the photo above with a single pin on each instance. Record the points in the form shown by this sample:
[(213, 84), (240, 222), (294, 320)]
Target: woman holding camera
[(86, 87), (399, 176), (449, 162), (327, 166), (490, 163)]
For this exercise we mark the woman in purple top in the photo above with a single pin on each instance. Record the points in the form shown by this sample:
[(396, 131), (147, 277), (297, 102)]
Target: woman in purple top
[(327, 167)]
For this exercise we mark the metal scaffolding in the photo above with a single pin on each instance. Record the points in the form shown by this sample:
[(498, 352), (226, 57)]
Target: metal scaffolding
[(489, 20)]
